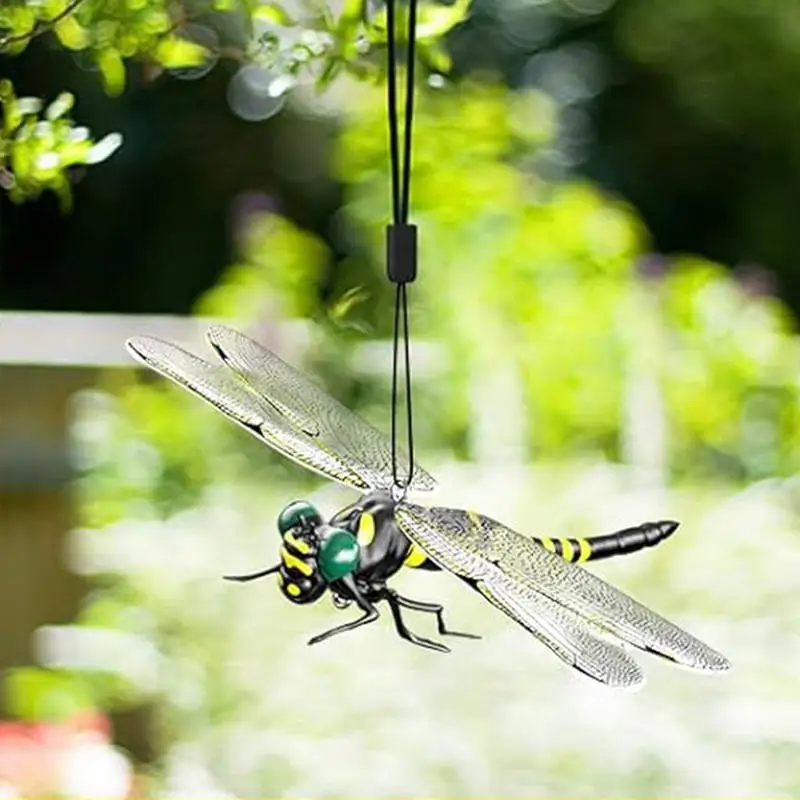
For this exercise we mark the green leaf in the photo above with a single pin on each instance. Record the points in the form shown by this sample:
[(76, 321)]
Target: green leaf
[(22, 158), (71, 33), (435, 56), (436, 20), (333, 67), (33, 693), (103, 149), (61, 186), (60, 106), (275, 14), (175, 52), (19, 22), (340, 308), (112, 70), (376, 29), (73, 153), (12, 114), (353, 12)]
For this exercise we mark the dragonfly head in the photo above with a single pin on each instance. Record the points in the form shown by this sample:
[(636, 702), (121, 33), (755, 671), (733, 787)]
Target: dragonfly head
[(300, 580), (314, 553), (301, 517)]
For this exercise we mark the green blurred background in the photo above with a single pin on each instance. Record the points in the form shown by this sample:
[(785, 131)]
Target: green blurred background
[(604, 332)]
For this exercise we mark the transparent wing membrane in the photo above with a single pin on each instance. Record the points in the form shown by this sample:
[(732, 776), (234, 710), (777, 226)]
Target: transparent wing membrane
[(219, 386), (560, 603), (564, 633), (309, 409)]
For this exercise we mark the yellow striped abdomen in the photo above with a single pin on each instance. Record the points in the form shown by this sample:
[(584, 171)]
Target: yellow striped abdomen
[(572, 550), (619, 543)]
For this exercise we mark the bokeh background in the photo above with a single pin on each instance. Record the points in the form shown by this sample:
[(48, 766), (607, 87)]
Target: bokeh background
[(604, 332)]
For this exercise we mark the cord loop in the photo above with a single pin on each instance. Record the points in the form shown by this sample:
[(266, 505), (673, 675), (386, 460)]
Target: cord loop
[(401, 238)]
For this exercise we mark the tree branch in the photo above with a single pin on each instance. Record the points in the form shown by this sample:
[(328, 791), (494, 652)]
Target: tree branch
[(42, 26)]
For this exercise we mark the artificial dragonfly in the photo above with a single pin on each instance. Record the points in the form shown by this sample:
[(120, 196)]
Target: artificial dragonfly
[(537, 582)]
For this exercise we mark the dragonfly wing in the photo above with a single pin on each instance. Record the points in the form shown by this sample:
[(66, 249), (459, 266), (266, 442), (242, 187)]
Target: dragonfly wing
[(217, 385), (598, 602), (480, 548), (307, 407), (563, 631)]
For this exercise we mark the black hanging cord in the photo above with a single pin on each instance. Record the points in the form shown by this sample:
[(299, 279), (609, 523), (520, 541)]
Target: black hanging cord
[(401, 238), (401, 305)]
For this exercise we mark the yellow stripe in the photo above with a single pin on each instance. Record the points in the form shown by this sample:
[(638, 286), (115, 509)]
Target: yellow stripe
[(586, 549), (293, 589), (547, 543), (415, 557), (294, 561), (567, 551), (366, 529), (299, 545)]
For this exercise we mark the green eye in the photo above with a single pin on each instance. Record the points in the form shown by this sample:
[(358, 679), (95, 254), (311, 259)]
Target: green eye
[(338, 555), (296, 513)]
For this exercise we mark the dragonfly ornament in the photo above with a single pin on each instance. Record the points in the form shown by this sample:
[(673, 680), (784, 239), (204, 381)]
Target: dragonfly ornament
[(536, 582)]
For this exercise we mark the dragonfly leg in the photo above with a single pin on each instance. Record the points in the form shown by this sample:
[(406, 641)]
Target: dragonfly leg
[(393, 599), (370, 613), (431, 608), (369, 616), (252, 576)]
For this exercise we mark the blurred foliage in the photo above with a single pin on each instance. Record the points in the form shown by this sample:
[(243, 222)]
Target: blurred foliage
[(187, 35), (108, 30), (668, 105), (238, 694), (187, 39), (557, 278), (40, 694), (554, 279), (699, 128), (39, 146), (708, 72), (280, 265), (512, 264)]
